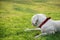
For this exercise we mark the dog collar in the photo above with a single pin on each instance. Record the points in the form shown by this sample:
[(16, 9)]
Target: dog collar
[(44, 22)]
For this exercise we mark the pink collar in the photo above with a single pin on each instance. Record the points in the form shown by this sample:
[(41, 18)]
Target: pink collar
[(44, 22)]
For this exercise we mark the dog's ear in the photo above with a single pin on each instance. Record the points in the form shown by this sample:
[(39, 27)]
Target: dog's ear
[(43, 15)]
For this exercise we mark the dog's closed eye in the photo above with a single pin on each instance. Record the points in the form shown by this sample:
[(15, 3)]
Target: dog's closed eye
[(35, 23)]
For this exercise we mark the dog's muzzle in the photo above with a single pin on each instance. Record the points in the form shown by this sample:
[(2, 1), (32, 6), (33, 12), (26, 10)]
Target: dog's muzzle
[(33, 24)]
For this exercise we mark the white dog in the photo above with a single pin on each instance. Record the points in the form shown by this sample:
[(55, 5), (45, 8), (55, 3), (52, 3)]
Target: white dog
[(45, 24)]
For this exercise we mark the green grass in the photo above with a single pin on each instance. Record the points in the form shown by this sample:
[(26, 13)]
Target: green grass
[(15, 17)]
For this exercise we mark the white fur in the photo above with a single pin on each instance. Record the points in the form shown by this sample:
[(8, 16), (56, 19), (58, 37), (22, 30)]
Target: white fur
[(50, 27)]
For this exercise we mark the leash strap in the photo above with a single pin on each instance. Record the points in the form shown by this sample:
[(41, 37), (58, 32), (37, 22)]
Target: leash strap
[(44, 22)]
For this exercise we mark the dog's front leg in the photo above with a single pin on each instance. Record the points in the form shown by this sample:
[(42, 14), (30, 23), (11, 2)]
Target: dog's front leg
[(42, 34), (32, 29)]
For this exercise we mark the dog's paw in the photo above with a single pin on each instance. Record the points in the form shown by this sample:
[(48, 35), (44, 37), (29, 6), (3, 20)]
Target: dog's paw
[(26, 29), (53, 32), (36, 36)]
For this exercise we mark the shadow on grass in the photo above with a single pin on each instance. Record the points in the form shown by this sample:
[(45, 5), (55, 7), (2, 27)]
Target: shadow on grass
[(31, 35), (2, 31), (52, 37)]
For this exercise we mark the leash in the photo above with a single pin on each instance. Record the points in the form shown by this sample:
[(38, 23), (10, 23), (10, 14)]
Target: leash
[(44, 22)]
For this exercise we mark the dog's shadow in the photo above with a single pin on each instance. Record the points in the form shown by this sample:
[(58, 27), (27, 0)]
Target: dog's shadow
[(51, 37)]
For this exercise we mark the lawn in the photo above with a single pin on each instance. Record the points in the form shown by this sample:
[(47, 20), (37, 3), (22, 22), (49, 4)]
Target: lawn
[(15, 17)]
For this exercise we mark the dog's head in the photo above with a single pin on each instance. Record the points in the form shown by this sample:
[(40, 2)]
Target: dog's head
[(37, 19)]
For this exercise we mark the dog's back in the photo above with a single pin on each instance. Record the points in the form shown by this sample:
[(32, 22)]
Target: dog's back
[(57, 25)]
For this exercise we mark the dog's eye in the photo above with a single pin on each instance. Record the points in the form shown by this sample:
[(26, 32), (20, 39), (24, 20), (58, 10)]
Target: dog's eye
[(34, 24)]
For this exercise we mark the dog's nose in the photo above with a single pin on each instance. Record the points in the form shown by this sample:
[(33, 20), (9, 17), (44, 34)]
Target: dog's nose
[(33, 24)]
